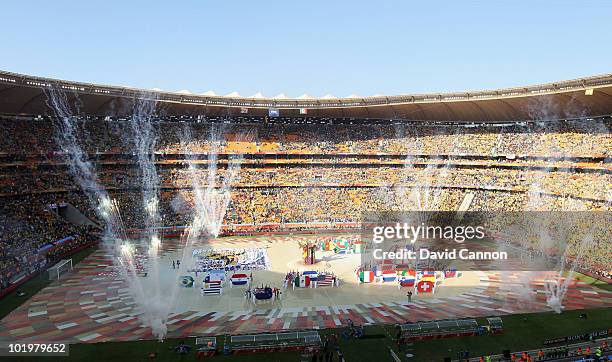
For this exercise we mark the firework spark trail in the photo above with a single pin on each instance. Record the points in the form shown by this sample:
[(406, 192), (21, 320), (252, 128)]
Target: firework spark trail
[(213, 201), (156, 306), (423, 195), (67, 138), (206, 218), (557, 281), (557, 287), (114, 241), (426, 196), (144, 140)]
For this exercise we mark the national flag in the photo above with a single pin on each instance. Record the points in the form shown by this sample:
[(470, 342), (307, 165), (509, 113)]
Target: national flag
[(429, 278), (425, 286), (186, 281), (312, 274), (303, 111), (366, 276), (341, 246), (212, 287), (428, 272), (389, 276), (303, 281), (239, 279), (406, 278), (325, 280), (450, 273), (387, 264)]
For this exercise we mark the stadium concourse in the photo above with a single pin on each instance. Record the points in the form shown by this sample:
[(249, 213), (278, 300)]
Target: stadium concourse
[(308, 168)]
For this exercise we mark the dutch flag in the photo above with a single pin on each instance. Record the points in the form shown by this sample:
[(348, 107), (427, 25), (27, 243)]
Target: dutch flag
[(389, 276)]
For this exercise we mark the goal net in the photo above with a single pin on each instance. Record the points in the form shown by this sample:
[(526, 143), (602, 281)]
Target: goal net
[(62, 267)]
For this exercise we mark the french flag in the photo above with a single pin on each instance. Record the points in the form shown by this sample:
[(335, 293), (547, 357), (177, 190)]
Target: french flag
[(239, 279)]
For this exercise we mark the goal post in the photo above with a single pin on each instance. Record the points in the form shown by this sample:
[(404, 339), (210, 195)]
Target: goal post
[(56, 271)]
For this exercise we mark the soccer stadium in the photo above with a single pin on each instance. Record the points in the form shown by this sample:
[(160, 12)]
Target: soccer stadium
[(141, 224)]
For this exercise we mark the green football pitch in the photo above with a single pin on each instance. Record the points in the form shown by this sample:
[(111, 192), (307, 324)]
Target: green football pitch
[(521, 331)]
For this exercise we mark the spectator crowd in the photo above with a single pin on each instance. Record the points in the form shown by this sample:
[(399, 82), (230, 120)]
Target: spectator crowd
[(300, 174)]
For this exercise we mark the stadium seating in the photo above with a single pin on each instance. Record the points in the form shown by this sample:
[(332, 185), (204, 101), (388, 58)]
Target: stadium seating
[(302, 174)]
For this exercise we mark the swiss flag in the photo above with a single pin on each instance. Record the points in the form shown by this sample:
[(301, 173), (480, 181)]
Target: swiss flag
[(425, 286)]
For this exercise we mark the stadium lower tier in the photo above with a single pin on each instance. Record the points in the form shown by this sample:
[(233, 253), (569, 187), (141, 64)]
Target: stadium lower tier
[(27, 229)]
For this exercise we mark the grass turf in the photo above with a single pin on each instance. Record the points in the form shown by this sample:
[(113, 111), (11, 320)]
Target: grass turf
[(594, 282), (526, 331), (521, 332)]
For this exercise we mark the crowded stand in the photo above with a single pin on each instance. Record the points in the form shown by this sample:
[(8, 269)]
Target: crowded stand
[(32, 237), (545, 139), (299, 174)]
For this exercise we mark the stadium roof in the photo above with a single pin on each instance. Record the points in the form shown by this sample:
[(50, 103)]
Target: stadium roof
[(585, 97)]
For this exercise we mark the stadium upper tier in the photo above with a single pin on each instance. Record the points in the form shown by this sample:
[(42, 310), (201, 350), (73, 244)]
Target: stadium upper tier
[(585, 97)]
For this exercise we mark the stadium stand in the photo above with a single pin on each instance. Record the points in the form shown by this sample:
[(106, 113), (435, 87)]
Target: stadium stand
[(299, 174)]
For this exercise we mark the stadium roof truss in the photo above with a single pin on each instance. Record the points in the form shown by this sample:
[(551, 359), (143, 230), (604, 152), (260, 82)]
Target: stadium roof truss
[(585, 97)]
